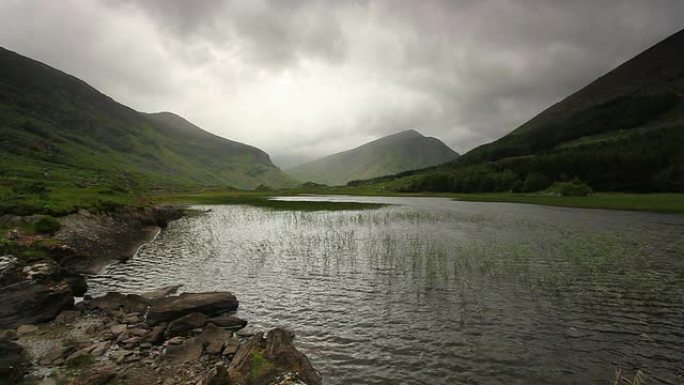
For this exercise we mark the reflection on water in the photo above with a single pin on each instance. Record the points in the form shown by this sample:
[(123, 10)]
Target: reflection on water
[(431, 291)]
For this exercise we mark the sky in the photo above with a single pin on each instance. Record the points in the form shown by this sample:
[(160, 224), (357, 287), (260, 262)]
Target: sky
[(302, 79)]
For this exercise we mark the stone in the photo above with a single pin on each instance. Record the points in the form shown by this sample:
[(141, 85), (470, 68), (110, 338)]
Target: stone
[(169, 308), (215, 338), (114, 303), (216, 376), (190, 350), (130, 343), (57, 352), (174, 341), (138, 332), (231, 347), (132, 319), (185, 324), (40, 270), (100, 348), (67, 316), (155, 335), (282, 357), (99, 374), (8, 334), (33, 301), (119, 356), (77, 356), (161, 292), (118, 329), (13, 362), (228, 321), (26, 329)]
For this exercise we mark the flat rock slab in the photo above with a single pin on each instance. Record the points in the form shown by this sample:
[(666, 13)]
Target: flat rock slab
[(166, 309)]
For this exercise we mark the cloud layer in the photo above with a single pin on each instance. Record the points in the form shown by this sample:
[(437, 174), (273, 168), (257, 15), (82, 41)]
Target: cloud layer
[(302, 79)]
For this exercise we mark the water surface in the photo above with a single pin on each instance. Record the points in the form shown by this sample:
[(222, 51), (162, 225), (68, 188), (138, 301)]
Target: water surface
[(433, 291)]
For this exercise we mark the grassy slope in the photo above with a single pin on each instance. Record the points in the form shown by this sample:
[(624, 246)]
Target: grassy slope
[(56, 129), (406, 150)]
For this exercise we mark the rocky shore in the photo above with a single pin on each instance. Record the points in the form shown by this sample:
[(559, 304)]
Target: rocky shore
[(148, 338)]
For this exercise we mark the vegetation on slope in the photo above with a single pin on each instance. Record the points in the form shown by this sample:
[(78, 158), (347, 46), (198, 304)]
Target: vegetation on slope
[(58, 132), (623, 132)]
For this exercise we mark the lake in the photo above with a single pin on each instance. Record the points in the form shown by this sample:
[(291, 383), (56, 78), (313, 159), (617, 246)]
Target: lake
[(434, 291)]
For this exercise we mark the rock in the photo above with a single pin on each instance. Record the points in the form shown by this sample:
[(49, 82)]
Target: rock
[(277, 357), (57, 352), (26, 329), (162, 292), (190, 350), (228, 321), (174, 341), (8, 334), (138, 332), (155, 335), (78, 356), (9, 269), (118, 329), (13, 363), (119, 356), (185, 324), (114, 303), (41, 270), (169, 308), (231, 347), (216, 376), (215, 338), (78, 285), (145, 345), (97, 375), (67, 316), (100, 348), (132, 319), (33, 301), (130, 343)]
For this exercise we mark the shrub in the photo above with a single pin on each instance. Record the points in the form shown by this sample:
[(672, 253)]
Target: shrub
[(535, 182), (47, 225), (574, 188)]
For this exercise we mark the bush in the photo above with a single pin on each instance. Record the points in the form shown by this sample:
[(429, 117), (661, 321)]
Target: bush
[(535, 182), (47, 225), (574, 188)]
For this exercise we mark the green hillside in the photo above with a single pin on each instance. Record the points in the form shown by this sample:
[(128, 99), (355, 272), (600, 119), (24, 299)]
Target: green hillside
[(406, 150), (57, 130), (623, 132)]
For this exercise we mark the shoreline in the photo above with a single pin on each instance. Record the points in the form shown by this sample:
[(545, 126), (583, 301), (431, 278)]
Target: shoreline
[(46, 338)]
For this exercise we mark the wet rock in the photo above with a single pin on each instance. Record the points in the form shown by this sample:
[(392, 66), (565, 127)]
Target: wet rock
[(137, 332), (97, 375), (185, 324), (33, 301), (169, 308), (228, 321), (67, 316), (262, 361), (161, 292), (78, 284), (115, 303), (13, 363), (26, 329)]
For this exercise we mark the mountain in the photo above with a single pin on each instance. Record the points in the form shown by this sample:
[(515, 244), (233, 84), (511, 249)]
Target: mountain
[(56, 127), (406, 150), (622, 132)]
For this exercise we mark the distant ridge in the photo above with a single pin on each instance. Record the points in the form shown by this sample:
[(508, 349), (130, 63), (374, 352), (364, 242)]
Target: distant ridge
[(405, 150)]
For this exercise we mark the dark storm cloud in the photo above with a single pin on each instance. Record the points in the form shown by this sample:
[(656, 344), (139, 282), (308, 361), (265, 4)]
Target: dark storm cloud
[(302, 78)]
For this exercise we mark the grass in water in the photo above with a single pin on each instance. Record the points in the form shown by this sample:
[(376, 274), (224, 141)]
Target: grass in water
[(265, 201)]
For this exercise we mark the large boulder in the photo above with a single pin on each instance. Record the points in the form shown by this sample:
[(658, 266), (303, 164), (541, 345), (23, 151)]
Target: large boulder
[(183, 325), (228, 321), (264, 361), (167, 309), (33, 301)]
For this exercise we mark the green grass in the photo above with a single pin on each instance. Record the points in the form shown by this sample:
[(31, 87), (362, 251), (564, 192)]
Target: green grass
[(263, 200), (665, 203)]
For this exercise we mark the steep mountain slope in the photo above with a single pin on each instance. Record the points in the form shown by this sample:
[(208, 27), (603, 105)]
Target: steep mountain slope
[(56, 127), (622, 132), (406, 150)]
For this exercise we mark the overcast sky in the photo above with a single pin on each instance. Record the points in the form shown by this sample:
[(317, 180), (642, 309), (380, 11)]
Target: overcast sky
[(302, 79)]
